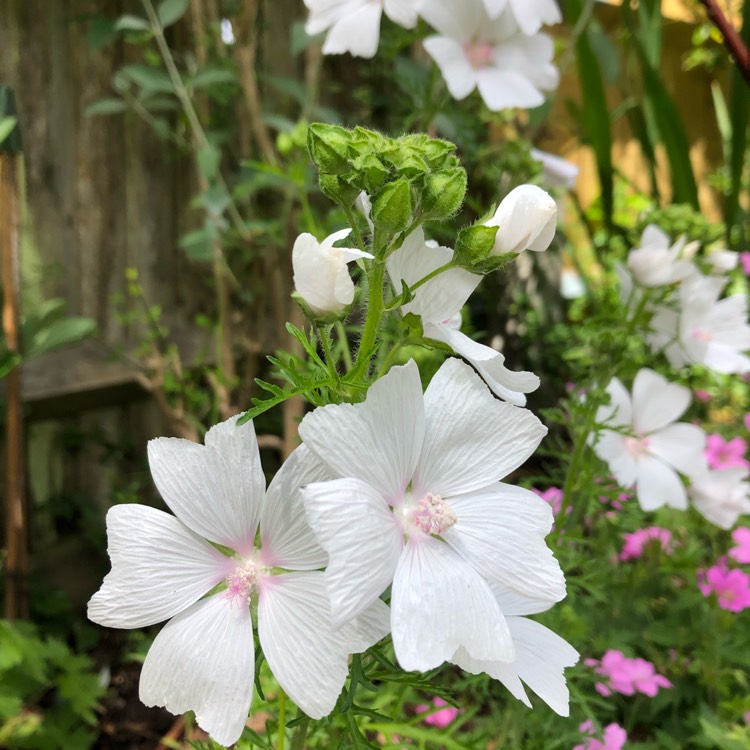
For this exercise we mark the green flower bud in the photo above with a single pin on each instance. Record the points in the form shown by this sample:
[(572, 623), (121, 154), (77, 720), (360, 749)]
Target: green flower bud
[(474, 245), (371, 172), (439, 154), (392, 207), (329, 147), (338, 190), (444, 193)]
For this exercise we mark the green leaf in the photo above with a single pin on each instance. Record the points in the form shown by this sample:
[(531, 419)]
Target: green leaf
[(6, 127), (60, 333), (129, 22), (148, 78), (211, 77), (110, 106), (209, 159), (171, 11)]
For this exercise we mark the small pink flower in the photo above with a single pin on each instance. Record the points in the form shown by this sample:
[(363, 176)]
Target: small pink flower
[(627, 676), (732, 587), (726, 454), (702, 395), (741, 553), (614, 737), (441, 718), (553, 496), (637, 541), (747, 421), (747, 717), (745, 262)]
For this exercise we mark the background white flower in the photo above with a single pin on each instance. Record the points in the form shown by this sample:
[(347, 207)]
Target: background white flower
[(530, 15), (419, 506), (438, 302), (648, 448), (509, 68), (203, 659), (722, 496), (657, 262), (321, 276)]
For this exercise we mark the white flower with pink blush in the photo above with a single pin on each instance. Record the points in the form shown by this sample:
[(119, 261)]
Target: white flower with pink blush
[(530, 15), (438, 303), (203, 660), (354, 25), (644, 445), (472, 50), (419, 507)]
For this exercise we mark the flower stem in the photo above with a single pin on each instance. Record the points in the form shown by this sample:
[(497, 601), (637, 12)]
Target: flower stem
[(431, 275), (282, 719), (298, 739), (376, 277), (346, 352)]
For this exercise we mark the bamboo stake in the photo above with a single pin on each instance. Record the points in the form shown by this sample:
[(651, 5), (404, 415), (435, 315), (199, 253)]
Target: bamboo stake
[(17, 553)]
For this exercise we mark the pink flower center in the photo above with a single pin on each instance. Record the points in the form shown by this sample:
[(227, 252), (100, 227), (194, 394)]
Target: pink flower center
[(701, 334), (636, 447), (241, 582), (479, 54), (430, 514)]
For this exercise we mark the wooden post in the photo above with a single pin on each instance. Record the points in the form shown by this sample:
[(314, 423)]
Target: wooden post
[(16, 562)]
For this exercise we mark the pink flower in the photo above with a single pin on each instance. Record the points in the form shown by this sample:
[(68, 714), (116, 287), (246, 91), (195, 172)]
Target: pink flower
[(745, 262), (732, 587), (726, 454), (627, 676), (553, 496), (441, 718), (702, 395), (636, 542), (747, 421), (741, 553), (613, 739)]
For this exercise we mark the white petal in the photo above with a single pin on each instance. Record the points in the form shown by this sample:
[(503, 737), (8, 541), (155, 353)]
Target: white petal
[(362, 538), (321, 276), (203, 660), (402, 12), (526, 219), (306, 655), (515, 603), (357, 33), (159, 568), (531, 15), (495, 7), (217, 489), (378, 441), (471, 438), (439, 603), (682, 446), (489, 363), (287, 541), (460, 77), (611, 448), (366, 629), (656, 401), (501, 671), (500, 531), (619, 412), (459, 22), (658, 484), (504, 89), (722, 496), (335, 237)]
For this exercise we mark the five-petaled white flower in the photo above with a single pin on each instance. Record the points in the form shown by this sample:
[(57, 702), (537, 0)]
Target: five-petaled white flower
[(657, 262), (509, 68), (203, 659), (321, 276), (530, 15), (419, 506), (354, 25), (722, 496), (705, 329), (438, 302), (647, 448)]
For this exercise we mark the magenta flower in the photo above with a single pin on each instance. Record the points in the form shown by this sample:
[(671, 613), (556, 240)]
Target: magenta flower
[(614, 737), (732, 587), (442, 718), (745, 262), (741, 553), (637, 541), (553, 496), (702, 395), (726, 454), (627, 676)]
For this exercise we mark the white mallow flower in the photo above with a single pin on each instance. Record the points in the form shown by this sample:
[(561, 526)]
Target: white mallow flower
[(657, 262), (705, 329), (203, 659), (723, 261), (438, 303), (509, 68), (530, 15), (527, 220), (556, 171), (321, 276), (419, 506), (647, 446), (722, 496), (354, 25)]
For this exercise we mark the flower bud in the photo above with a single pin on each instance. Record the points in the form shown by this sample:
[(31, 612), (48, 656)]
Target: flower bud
[(329, 147), (444, 193), (338, 190), (321, 276), (392, 207), (526, 219)]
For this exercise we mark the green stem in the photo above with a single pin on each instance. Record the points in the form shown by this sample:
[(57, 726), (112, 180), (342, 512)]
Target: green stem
[(325, 340), (376, 277), (346, 352), (431, 275), (282, 718), (355, 228), (298, 738), (389, 359)]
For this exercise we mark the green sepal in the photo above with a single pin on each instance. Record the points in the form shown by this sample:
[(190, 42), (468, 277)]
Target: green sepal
[(474, 245), (328, 146), (444, 193), (392, 207)]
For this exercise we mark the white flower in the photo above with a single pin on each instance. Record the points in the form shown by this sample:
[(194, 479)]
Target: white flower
[(354, 25), (509, 68), (723, 261), (438, 302), (722, 496), (530, 15), (419, 506), (527, 220), (656, 262), (203, 659), (557, 172), (321, 276), (649, 448), (706, 329)]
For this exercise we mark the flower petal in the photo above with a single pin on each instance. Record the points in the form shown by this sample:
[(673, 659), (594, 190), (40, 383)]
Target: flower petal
[(515, 603), (439, 604), (656, 401), (531, 15), (159, 568), (460, 77), (203, 660), (619, 412), (500, 531), (451, 20), (287, 541), (471, 438), (307, 656), (501, 671), (363, 540), (217, 489), (357, 33), (503, 89), (377, 441), (682, 446), (658, 484)]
